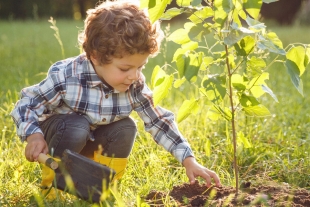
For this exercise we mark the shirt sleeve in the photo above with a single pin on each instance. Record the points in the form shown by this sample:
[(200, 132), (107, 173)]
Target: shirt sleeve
[(160, 123), (35, 100)]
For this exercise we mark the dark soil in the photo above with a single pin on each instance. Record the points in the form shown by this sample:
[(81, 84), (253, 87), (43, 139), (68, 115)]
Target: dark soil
[(249, 195)]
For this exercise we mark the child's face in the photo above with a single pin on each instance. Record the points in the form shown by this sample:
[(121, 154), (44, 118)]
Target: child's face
[(121, 72)]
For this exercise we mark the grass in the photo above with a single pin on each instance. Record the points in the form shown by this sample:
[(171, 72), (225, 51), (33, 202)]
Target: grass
[(281, 142)]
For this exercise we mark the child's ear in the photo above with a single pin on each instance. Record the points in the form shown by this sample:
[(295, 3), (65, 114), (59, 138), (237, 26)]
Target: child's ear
[(94, 59)]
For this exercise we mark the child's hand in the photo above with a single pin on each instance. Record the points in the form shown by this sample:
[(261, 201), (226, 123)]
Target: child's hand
[(194, 169), (36, 145)]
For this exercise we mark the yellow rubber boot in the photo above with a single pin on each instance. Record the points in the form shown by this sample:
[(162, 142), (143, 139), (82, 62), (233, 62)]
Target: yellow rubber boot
[(117, 164), (48, 175)]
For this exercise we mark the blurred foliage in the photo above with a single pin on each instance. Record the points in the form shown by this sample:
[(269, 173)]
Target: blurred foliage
[(283, 12), (304, 15), (36, 9)]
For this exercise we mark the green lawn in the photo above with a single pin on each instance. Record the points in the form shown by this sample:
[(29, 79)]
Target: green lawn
[(281, 142)]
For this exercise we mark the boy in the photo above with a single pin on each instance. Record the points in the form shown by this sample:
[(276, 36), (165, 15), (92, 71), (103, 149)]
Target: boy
[(85, 101)]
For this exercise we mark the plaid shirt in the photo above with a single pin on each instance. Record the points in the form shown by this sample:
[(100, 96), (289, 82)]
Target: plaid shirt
[(72, 86)]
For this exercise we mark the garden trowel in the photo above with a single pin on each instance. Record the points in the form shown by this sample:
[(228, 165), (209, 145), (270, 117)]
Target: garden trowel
[(79, 175)]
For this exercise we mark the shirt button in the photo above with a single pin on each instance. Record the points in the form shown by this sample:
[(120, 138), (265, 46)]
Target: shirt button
[(106, 96), (104, 119)]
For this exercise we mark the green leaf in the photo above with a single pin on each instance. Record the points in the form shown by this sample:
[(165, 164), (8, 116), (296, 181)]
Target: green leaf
[(255, 25), (300, 88), (294, 72), (253, 7), (200, 15), (177, 83), (179, 59), (180, 36), (270, 92), (238, 6), (190, 46), (156, 11), (144, 4), (196, 33), (269, 1), (275, 39), (257, 111), (307, 56), (180, 62), (215, 112), (237, 13), (242, 14), (192, 64), (157, 76), (183, 3), (233, 37), (245, 46), (267, 44), (188, 26), (296, 62), (162, 90), (231, 61), (206, 61), (255, 85), (220, 17), (256, 62), (225, 5), (238, 82), (236, 19), (236, 34), (196, 2), (188, 107), (247, 101), (239, 86), (177, 53), (170, 13), (221, 10), (214, 87), (152, 4), (255, 65), (243, 140), (298, 55)]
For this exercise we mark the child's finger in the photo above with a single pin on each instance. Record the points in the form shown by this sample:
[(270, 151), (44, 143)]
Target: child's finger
[(29, 152), (207, 178), (215, 178), (191, 178), (40, 148)]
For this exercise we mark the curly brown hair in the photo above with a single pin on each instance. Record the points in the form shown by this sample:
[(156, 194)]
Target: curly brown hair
[(115, 29)]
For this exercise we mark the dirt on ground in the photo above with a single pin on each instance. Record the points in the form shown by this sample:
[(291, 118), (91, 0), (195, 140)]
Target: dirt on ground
[(199, 195)]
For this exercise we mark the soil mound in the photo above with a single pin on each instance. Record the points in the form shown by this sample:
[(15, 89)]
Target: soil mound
[(199, 195)]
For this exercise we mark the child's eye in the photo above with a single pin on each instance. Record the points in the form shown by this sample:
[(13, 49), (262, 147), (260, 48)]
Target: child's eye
[(124, 69)]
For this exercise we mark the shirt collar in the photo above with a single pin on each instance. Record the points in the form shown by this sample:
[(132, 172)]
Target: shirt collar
[(92, 78)]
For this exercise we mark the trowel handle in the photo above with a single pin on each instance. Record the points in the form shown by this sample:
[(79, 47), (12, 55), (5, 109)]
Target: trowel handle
[(48, 161)]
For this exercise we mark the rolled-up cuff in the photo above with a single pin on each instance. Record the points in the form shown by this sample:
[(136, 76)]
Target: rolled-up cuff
[(23, 133), (183, 152)]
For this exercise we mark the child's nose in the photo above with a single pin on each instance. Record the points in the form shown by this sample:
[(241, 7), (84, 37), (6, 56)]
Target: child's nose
[(134, 75)]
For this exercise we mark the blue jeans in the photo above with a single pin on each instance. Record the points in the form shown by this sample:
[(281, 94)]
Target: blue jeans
[(71, 131)]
